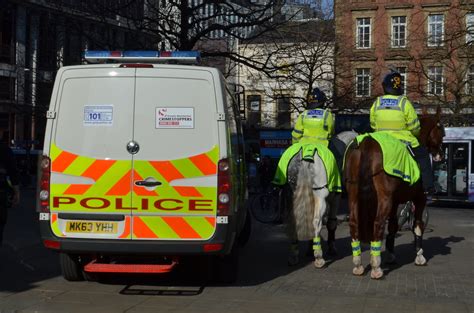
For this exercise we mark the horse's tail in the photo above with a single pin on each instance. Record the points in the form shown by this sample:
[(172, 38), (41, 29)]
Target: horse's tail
[(304, 202), (367, 194)]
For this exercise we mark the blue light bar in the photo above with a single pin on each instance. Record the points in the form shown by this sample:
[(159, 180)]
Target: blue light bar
[(186, 54), (142, 56)]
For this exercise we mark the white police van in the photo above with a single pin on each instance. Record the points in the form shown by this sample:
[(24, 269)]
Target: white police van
[(143, 165)]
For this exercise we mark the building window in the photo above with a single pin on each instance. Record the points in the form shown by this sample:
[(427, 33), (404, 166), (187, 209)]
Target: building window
[(470, 28), (254, 104), (403, 71), (7, 88), (399, 31), (435, 30), (470, 80), (47, 54), (435, 80), (363, 33), (363, 82), (7, 35), (284, 114)]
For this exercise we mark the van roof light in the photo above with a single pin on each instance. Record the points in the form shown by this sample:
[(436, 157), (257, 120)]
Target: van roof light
[(142, 56)]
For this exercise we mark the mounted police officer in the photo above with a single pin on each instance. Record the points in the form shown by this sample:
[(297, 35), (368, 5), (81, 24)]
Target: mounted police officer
[(393, 113), (315, 124)]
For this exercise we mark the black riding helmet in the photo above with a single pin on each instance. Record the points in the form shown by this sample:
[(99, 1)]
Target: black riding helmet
[(316, 99), (392, 84)]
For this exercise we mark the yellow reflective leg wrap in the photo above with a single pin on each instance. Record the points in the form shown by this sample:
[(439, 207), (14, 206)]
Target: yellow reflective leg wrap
[(317, 243), (356, 248), (375, 248)]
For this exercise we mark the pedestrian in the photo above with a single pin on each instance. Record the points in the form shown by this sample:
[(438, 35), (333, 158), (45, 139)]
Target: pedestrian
[(9, 182), (394, 114)]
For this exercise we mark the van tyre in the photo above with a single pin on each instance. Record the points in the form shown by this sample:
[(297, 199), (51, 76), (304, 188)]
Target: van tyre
[(226, 267), (71, 268), (244, 235)]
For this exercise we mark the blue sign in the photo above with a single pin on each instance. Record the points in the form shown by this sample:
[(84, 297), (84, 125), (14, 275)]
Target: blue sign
[(274, 142)]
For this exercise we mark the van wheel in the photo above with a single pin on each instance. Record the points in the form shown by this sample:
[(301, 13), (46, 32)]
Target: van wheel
[(244, 235), (70, 267), (226, 267)]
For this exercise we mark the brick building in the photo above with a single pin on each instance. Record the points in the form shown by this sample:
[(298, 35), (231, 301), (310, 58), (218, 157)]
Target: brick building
[(430, 42)]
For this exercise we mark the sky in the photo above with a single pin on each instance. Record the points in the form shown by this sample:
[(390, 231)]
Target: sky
[(327, 5)]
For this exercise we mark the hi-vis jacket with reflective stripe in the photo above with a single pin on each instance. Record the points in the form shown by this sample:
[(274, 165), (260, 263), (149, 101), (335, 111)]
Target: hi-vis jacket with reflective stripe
[(314, 126), (396, 115)]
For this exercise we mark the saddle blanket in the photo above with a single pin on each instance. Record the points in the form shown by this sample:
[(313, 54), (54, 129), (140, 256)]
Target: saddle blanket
[(397, 161), (308, 150)]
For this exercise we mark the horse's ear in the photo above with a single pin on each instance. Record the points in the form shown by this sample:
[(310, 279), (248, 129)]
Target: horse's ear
[(424, 110)]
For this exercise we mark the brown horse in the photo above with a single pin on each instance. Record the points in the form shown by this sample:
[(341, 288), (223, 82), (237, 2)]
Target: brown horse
[(373, 195)]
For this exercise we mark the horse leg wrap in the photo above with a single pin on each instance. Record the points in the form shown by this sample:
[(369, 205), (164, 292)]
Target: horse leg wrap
[(390, 243), (318, 253), (375, 248), (316, 244), (356, 258), (356, 248)]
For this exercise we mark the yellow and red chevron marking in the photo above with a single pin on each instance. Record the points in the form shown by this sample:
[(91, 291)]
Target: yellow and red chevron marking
[(173, 227), (120, 174), (112, 190)]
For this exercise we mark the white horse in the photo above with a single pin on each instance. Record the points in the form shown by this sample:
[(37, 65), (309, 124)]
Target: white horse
[(312, 201)]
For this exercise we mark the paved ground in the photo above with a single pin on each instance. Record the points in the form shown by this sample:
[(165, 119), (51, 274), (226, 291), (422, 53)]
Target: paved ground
[(30, 280)]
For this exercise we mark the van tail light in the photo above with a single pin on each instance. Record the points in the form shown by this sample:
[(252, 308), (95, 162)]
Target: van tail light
[(224, 187), (44, 189)]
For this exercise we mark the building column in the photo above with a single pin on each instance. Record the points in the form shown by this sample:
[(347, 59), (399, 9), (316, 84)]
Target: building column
[(20, 61), (33, 57), (60, 41)]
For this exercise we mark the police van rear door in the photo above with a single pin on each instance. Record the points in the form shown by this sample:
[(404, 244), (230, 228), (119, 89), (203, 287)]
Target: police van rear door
[(91, 167), (175, 168)]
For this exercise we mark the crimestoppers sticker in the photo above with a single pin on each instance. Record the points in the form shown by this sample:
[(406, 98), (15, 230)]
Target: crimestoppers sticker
[(174, 118), (98, 115)]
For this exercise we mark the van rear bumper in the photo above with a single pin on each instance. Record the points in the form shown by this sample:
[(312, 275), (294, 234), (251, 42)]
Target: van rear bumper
[(225, 235)]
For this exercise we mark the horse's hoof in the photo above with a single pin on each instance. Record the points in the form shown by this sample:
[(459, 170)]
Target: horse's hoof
[(390, 259), (420, 260), (376, 273), (319, 262), (293, 260), (358, 270)]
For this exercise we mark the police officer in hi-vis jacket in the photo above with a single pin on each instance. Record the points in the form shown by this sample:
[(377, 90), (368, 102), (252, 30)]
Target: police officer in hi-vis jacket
[(393, 113), (315, 124)]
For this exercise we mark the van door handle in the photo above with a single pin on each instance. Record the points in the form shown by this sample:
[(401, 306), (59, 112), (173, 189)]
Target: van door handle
[(146, 183)]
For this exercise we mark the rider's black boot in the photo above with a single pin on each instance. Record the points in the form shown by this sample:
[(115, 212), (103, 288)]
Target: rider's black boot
[(423, 159)]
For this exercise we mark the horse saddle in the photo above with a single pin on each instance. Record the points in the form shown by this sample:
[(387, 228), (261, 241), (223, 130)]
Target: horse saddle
[(398, 159), (308, 153)]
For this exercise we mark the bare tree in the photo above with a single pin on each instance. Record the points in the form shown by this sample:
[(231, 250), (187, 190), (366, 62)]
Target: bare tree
[(445, 70), (186, 24), (297, 57)]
